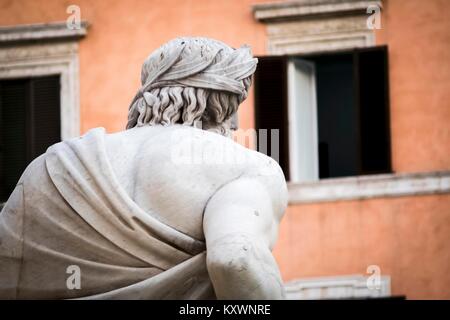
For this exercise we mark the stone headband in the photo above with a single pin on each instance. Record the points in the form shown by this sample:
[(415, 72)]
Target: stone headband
[(190, 62)]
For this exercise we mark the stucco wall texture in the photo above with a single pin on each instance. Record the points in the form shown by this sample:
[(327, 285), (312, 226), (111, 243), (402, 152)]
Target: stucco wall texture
[(407, 237)]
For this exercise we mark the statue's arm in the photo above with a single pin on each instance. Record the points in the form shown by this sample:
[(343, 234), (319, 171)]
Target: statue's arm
[(241, 225)]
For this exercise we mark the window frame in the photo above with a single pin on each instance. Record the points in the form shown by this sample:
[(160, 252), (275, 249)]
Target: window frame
[(355, 52), (37, 50)]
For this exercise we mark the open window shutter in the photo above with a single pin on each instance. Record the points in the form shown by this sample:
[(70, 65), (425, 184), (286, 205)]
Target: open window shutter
[(373, 101), (271, 103)]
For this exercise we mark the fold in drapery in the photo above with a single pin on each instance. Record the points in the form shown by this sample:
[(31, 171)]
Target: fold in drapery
[(69, 209)]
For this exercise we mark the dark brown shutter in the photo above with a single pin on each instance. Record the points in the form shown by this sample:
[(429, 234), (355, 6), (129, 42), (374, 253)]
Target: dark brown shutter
[(270, 83), (373, 108), (29, 124)]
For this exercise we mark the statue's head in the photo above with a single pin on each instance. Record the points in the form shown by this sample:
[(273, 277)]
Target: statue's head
[(193, 81)]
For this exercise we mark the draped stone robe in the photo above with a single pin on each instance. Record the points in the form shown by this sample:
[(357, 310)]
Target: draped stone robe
[(69, 209)]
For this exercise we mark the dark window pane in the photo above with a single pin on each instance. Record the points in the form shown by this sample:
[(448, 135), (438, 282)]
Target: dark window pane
[(337, 116), (46, 114), (13, 148), (29, 124)]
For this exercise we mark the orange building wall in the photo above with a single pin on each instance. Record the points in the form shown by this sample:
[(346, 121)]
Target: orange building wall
[(417, 33), (407, 237)]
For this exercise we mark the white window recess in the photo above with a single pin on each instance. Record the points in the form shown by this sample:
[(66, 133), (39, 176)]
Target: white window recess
[(302, 114)]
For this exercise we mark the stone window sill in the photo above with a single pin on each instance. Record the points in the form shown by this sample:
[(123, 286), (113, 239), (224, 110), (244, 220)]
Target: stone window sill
[(373, 186)]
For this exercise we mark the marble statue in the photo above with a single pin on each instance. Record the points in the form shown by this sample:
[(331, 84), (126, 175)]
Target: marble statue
[(119, 216)]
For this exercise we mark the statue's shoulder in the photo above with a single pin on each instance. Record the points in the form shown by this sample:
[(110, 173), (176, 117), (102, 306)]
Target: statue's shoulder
[(269, 173), (233, 157)]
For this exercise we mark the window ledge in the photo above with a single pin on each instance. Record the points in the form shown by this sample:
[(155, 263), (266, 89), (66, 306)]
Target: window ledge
[(337, 287), (373, 186), (41, 31), (305, 26), (284, 11)]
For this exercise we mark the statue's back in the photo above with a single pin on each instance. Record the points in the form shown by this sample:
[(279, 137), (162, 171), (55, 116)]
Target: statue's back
[(171, 172)]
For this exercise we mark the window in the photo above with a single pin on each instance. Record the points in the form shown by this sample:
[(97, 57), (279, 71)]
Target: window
[(29, 124), (331, 109)]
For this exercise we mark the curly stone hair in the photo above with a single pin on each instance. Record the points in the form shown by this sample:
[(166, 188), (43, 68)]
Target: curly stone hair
[(192, 81)]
